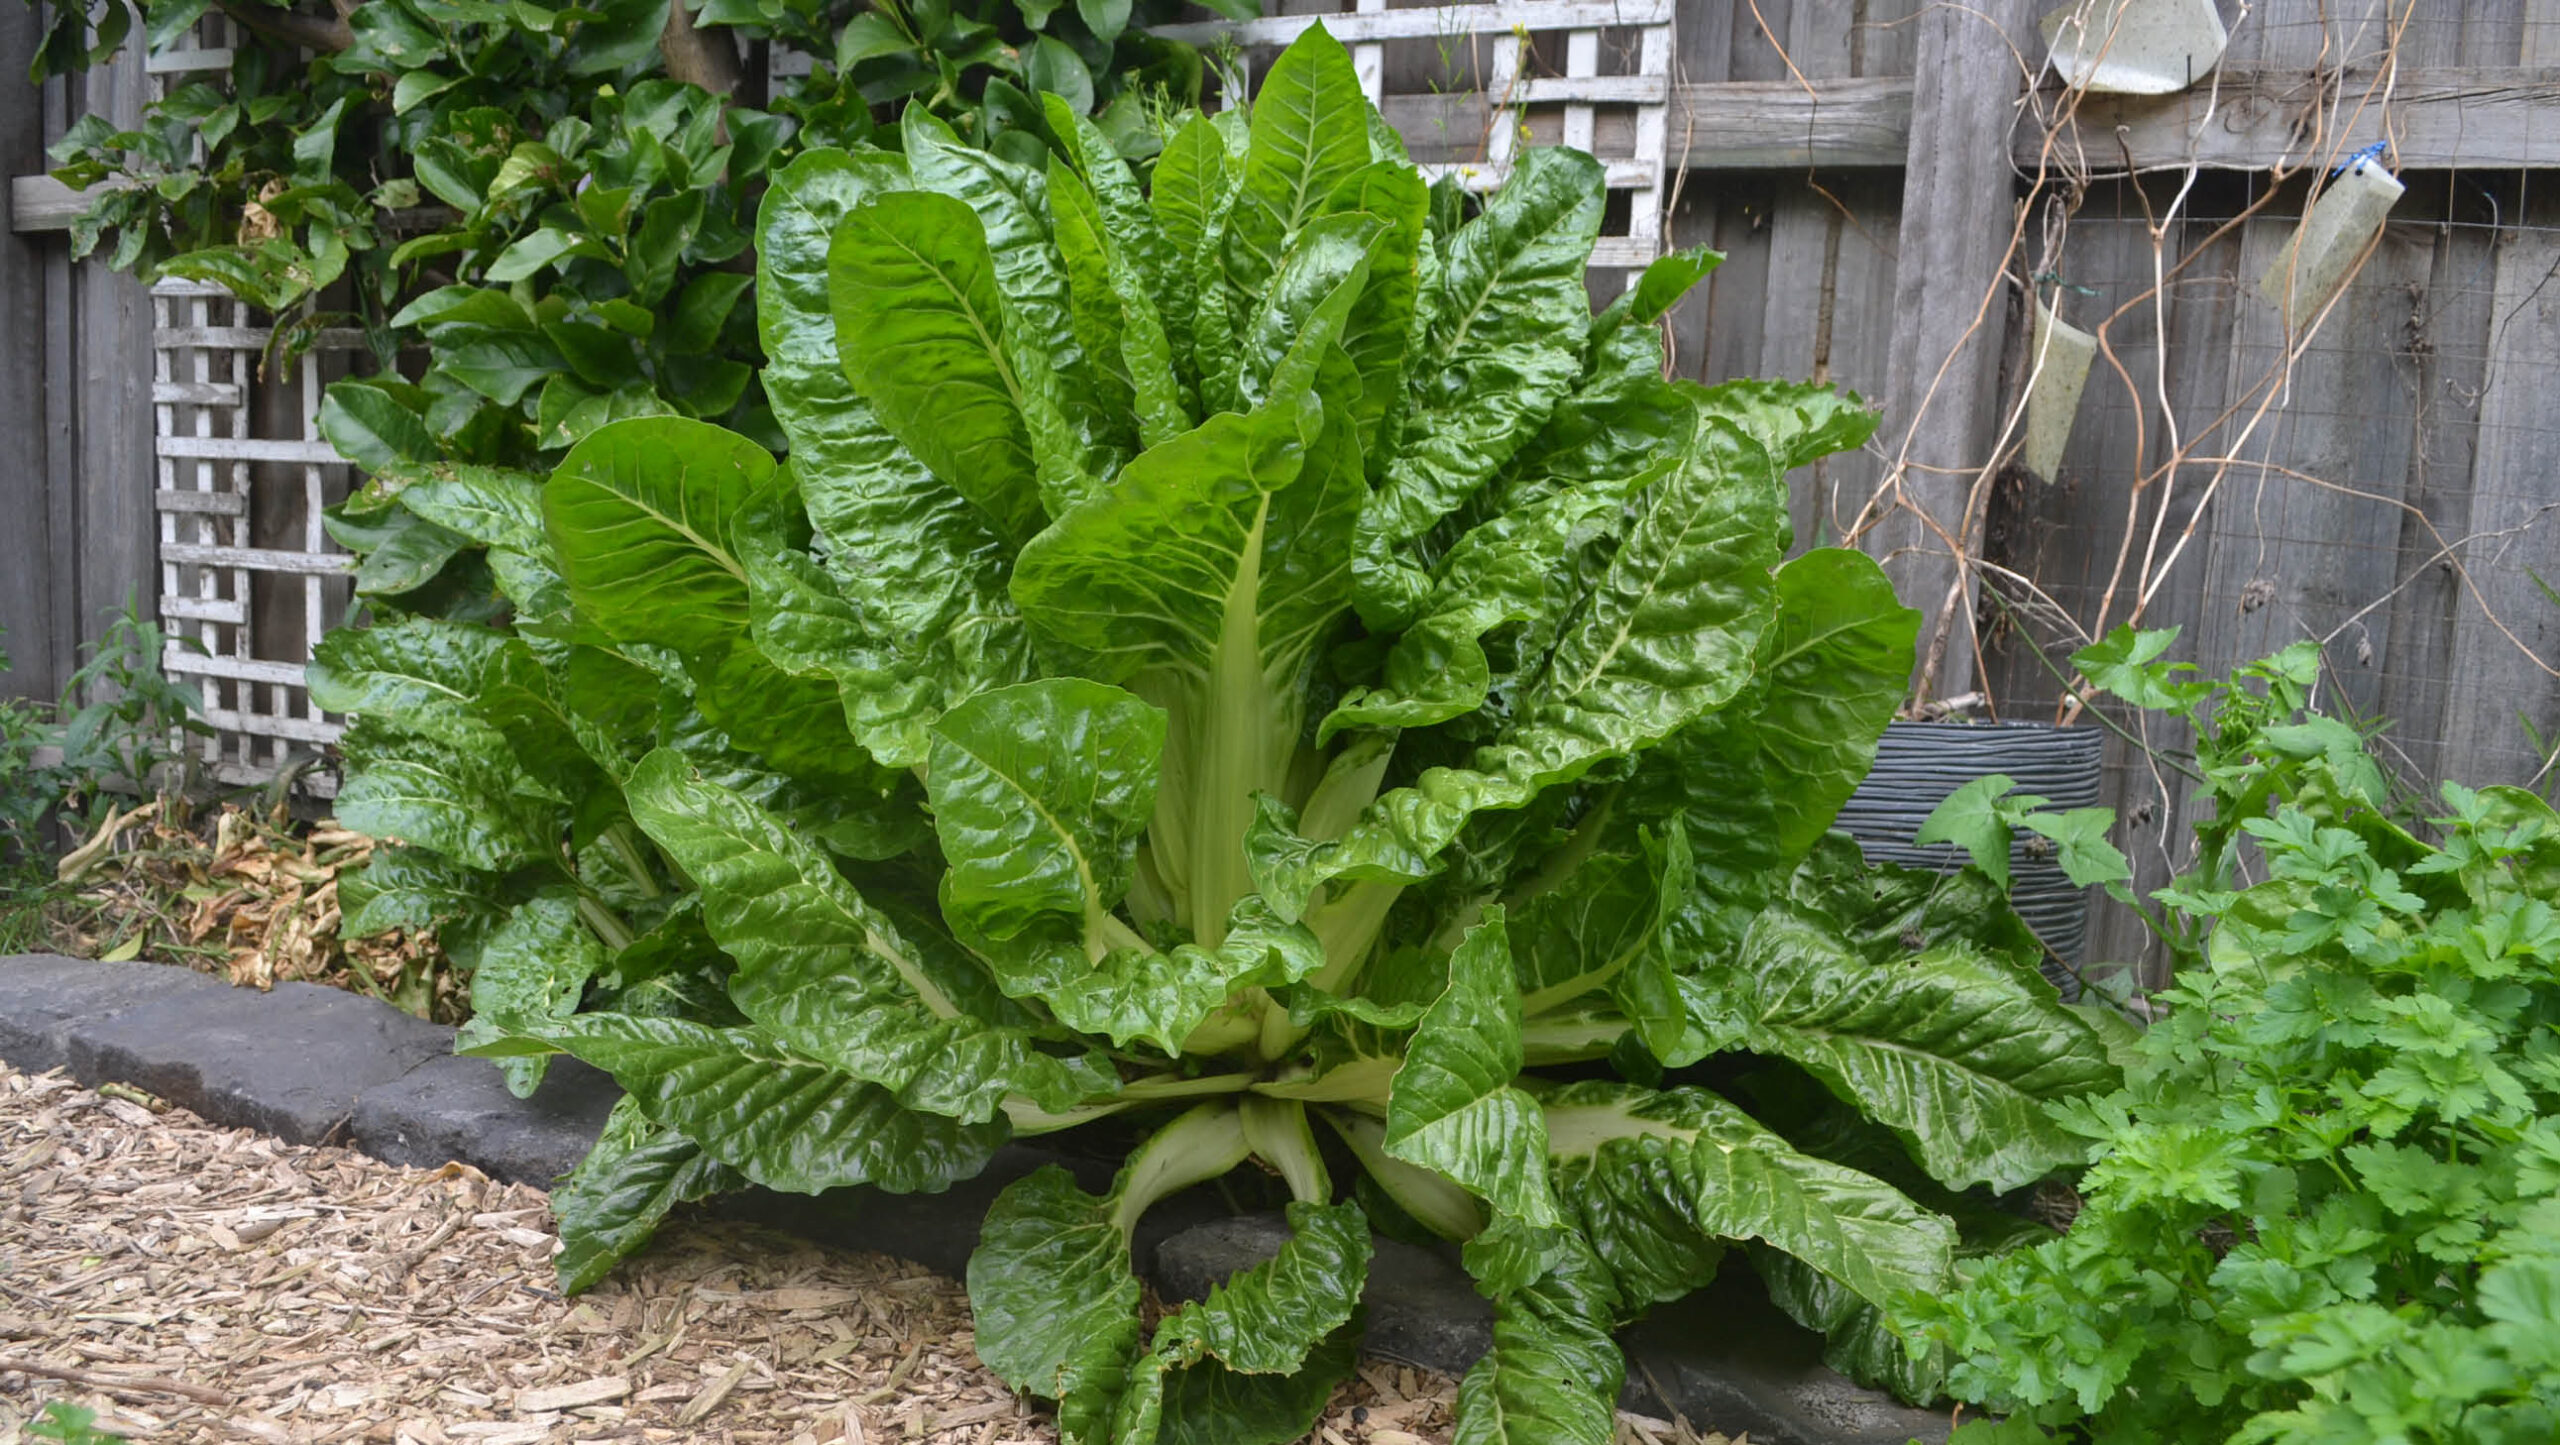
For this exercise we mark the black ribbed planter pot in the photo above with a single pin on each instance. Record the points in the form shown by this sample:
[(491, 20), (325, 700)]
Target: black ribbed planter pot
[(1919, 763)]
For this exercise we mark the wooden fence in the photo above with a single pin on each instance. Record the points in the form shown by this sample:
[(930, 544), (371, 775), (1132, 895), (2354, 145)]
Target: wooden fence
[(1888, 180)]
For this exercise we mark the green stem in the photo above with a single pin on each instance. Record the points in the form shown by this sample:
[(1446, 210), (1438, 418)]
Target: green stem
[(626, 850), (615, 933)]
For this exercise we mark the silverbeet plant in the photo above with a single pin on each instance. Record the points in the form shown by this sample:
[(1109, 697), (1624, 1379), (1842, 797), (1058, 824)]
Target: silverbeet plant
[(1243, 669)]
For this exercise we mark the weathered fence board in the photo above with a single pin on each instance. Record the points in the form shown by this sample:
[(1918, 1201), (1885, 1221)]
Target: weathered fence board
[(2479, 118), (1942, 377), (27, 576)]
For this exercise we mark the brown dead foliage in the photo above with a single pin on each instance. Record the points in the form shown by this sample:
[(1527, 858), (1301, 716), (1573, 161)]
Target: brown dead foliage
[(249, 896)]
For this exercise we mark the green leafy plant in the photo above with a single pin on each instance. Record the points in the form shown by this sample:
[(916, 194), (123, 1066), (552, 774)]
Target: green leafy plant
[(24, 800), (1242, 672), (2326, 1204), (69, 1425), (118, 726), (552, 201)]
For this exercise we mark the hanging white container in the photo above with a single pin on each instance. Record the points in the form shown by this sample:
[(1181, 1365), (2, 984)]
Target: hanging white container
[(2135, 47), (2059, 355), (2325, 246)]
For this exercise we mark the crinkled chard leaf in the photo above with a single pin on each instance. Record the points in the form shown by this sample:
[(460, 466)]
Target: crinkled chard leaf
[(614, 1200), (1955, 1051), (532, 967), (783, 1121), (1656, 1180), (1553, 1374), (1056, 1299), (1455, 1108), (830, 975)]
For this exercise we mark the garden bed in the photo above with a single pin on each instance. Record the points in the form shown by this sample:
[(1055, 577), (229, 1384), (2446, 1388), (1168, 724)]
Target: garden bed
[(234, 1287), (314, 1066)]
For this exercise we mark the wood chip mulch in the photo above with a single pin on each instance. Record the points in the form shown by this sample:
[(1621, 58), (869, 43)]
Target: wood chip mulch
[(191, 1283)]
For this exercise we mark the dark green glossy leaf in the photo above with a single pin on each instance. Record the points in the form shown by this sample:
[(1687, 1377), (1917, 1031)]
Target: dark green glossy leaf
[(783, 1121), (1656, 1180), (1954, 1051), (651, 518), (828, 974), (921, 332), (613, 1201)]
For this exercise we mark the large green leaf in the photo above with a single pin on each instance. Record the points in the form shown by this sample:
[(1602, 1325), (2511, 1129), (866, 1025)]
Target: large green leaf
[(491, 506), (413, 888), (1502, 571), (795, 724), (1553, 1374), (1382, 332), (1839, 662), (613, 1201), (1268, 1318), (1580, 934), (784, 1121), (1657, 1180), (1454, 1107), (475, 805), (1670, 631), (907, 608), (1310, 132), (1210, 1404), (1055, 1299), (1796, 421), (532, 967), (1040, 792), (1134, 991), (1247, 523), (1327, 264), (1011, 203), (1192, 182), (829, 975), (1085, 247), (1955, 1051), (652, 518), (921, 331), (1857, 1340), (419, 675), (1505, 344), (1887, 912)]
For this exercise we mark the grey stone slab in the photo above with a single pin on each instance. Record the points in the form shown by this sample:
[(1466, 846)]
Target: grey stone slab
[(43, 995), (457, 1108), (1727, 1359), (937, 1231), (291, 1062)]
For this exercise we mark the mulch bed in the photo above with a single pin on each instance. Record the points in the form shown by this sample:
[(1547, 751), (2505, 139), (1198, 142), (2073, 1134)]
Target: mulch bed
[(200, 1284), (192, 1283)]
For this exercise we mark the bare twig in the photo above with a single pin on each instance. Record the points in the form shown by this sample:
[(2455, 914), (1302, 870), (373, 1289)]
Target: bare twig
[(118, 1384)]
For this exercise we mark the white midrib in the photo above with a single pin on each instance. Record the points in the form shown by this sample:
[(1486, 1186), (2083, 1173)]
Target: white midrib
[(1231, 761)]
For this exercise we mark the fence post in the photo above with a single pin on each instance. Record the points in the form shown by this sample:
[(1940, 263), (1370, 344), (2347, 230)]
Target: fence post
[(27, 575), (116, 474), (1941, 405)]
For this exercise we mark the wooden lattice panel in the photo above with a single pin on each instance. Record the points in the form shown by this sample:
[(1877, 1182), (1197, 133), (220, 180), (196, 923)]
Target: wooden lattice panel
[(243, 557), (1467, 85), (248, 580)]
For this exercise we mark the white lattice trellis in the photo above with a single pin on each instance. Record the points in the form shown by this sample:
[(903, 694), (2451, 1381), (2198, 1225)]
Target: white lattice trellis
[(241, 609), (215, 584), (1569, 107)]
